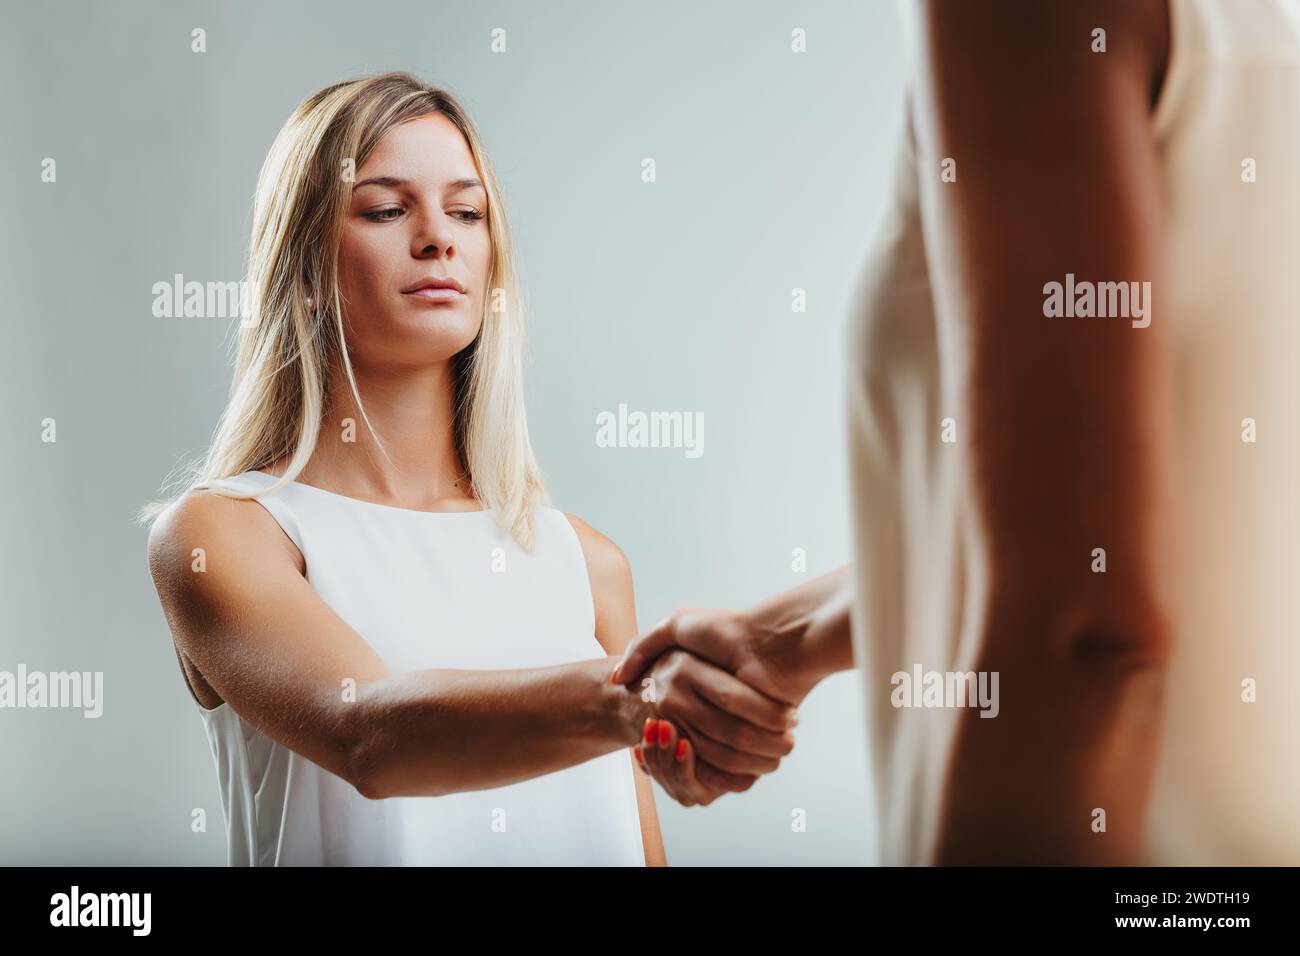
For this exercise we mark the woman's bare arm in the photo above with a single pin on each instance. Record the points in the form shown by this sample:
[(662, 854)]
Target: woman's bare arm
[(265, 641), (615, 606), (1062, 422)]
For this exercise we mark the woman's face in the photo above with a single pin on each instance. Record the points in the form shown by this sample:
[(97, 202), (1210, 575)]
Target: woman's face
[(426, 218)]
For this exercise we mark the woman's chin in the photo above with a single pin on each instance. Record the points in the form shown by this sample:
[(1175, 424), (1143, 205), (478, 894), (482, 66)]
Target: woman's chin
[(423, 339)]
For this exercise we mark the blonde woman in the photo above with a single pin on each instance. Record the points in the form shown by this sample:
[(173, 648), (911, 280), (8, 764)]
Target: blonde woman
[(399, 649)]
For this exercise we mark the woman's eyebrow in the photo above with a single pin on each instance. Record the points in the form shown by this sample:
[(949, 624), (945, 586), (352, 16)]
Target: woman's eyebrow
[(454, 185)]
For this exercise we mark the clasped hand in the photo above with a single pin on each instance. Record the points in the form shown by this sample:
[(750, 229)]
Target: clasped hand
[(724, 690)]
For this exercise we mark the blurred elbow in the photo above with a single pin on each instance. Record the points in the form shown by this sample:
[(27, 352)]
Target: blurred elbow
[(1115, 635), (1100, 631), (1133, 641)]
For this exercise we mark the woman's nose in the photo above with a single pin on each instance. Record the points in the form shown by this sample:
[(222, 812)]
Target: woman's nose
[(433, 237)]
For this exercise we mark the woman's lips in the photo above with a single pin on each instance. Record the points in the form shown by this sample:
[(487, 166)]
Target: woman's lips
[(435, 295)]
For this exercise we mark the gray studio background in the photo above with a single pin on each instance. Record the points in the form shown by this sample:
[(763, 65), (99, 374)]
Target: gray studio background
[(772, 169)]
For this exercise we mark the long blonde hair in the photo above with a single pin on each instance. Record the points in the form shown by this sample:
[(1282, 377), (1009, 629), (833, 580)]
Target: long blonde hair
[(280, 386)]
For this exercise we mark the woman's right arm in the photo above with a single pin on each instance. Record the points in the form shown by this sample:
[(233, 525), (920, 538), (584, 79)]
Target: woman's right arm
[(281, 657), (265, 641)]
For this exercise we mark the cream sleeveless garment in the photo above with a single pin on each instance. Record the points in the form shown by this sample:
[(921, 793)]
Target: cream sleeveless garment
[(420, 587), (1228, 781)]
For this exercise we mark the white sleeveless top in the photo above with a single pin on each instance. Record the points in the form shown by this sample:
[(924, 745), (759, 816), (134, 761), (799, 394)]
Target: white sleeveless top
[(1228, 782), (421, 588)]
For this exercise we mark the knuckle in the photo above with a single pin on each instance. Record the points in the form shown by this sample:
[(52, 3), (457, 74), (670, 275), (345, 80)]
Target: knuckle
[(737, 739), (665, 668), (726, 760), (730, 628), (748, 739)]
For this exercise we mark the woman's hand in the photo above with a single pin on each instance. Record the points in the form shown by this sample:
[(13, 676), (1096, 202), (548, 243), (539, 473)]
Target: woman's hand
[(763, 654), (712, 733), (777, 651), (669, 757), (731, 725)]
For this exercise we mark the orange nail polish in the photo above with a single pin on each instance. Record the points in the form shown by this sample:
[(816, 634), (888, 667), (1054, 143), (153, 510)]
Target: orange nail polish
[(665, 731), (650, 730), (681, 748)]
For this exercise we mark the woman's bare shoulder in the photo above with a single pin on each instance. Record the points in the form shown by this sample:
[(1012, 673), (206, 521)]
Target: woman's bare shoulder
[(610, 574), (202, 525), (203, 518), (603, 556)]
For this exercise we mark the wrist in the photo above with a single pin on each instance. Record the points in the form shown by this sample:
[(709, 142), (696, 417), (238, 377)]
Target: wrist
[(620, 713), (829, 637), (805, 633)]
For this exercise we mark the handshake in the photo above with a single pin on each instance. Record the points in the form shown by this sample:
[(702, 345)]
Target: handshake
[(721, 687)]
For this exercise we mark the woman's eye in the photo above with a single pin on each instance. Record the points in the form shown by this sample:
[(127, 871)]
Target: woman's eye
[(389, 213)]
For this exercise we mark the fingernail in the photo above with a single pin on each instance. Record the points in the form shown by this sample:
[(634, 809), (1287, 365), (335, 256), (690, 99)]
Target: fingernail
[(793, 719), (650, 730), (681, 748), (640, 758), (665, 731), (613, 676)]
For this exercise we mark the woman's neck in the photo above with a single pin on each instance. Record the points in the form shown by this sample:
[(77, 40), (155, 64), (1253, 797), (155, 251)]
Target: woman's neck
[(412, 411)]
